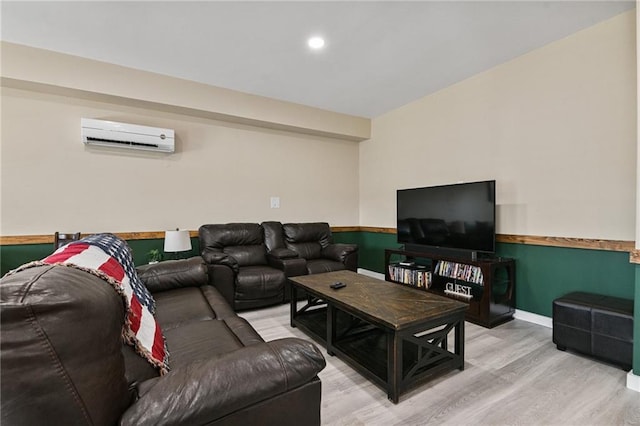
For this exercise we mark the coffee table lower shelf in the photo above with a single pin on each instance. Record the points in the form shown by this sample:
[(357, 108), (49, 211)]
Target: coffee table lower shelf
[(394, 360)]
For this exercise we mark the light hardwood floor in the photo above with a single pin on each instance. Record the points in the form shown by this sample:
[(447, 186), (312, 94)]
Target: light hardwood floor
[(513, 375)]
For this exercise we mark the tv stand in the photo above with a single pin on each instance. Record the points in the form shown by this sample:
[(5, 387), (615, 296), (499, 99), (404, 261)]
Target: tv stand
[(447, 252), (487, 285)]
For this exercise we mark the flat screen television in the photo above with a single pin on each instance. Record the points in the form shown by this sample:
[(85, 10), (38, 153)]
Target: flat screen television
[(457, 217)]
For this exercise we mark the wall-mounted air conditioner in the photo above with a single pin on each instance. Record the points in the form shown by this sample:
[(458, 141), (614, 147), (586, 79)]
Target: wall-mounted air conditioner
[(131, 136)]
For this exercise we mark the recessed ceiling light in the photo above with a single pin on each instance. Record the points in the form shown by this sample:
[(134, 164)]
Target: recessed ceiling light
[(316, 43)]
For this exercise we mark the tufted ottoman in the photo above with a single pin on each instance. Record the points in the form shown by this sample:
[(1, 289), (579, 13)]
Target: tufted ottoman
[(596, 325)]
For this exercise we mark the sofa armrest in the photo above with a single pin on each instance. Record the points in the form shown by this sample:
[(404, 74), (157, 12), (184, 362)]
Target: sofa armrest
[(204, 391), (292, 267), (283, 253), (339, 251), (223, 278), (172, 274), (219, 258)]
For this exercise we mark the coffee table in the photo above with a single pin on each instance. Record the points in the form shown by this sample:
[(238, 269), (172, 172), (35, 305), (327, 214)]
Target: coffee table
[(393, 335)]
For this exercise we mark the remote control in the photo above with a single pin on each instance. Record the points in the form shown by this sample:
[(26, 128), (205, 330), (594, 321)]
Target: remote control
[(337, 285)]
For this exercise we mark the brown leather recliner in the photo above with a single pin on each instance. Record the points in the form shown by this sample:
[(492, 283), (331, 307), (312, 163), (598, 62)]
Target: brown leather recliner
[(62, 359), (248, 263), (239, 266), (314, 243), (279, 256)]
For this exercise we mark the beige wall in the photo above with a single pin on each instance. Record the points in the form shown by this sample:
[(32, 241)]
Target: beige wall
[(555, 127), (638, 127), (221, 172), (53, 72)]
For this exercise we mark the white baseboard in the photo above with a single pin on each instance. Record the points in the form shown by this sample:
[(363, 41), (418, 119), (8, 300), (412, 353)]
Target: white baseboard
[(533, 318), (520, 314), (371, 273), (633, 381)]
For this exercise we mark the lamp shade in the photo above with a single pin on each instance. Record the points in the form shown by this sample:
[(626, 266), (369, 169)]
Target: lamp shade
[(175, 241)]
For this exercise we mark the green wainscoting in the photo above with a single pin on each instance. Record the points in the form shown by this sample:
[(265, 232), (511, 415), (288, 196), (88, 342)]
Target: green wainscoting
[(636, 328), (371, 247), (141, 249), (545, 273), (12, 256), (542, 273)]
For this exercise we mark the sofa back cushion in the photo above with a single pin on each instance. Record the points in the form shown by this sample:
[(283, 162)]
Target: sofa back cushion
[(307, 239), (273, 235), (243, 241), (174, 274), (248, 255), (60, 348)]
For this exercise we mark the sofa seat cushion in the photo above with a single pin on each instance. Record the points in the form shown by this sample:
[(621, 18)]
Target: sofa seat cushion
[(199, 340), (256, 282), (318, 266), (306, 250), (180, 306)]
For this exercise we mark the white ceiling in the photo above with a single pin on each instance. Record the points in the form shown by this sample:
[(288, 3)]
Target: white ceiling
[(378, 55)]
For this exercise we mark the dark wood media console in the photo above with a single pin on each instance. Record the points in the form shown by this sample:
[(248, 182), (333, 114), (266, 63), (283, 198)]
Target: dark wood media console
[(486, 285)]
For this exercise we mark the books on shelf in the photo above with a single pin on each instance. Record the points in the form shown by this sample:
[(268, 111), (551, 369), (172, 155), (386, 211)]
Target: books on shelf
[(416, 275), (460, 271)]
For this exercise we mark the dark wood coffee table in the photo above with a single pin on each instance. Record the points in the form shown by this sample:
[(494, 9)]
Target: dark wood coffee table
[(393, 335)]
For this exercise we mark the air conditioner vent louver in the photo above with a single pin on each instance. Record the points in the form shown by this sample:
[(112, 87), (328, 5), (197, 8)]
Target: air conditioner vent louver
[(129, 136), (132, 143)]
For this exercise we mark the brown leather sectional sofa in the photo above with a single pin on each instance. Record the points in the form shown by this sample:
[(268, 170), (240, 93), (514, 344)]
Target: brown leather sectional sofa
[(249, 263), (63, 361)]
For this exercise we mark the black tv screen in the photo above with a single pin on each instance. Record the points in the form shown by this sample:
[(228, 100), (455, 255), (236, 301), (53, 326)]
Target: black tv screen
[(459, 216)]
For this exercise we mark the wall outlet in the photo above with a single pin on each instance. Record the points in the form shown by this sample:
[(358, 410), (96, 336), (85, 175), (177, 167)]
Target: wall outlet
[(275, 202)]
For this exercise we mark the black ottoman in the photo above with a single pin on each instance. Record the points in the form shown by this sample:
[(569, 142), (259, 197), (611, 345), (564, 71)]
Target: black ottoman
[(601, 326)]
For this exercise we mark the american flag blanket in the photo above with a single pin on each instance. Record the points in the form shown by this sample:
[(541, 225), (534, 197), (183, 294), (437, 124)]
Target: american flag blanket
[(109, 258)]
